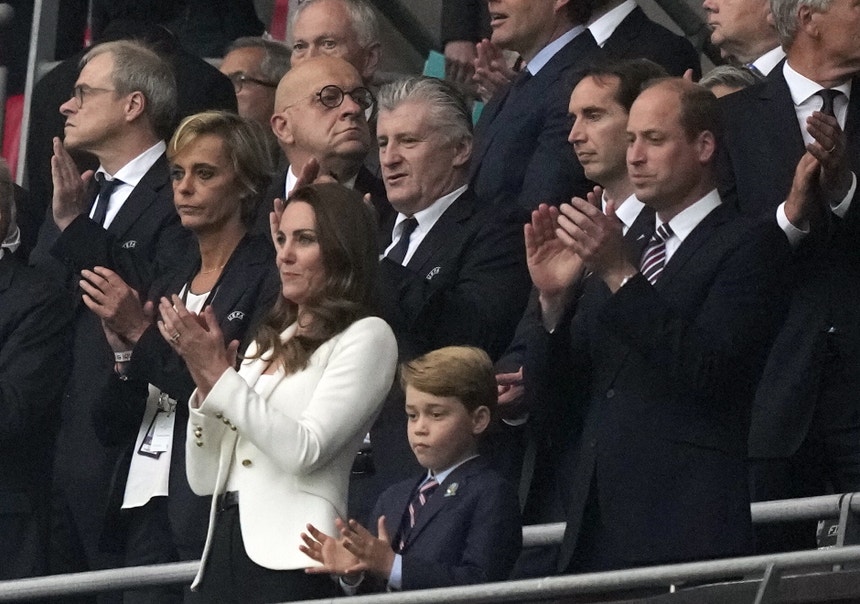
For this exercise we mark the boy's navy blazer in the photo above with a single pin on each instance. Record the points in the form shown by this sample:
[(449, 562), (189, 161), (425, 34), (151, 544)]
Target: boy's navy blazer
[(469, 531)]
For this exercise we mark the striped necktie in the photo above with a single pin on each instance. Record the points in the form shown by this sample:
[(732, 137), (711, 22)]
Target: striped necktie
[(654, 258), (424, 492)]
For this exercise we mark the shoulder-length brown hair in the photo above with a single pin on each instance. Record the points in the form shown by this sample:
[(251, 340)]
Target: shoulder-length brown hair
[(347, 236)]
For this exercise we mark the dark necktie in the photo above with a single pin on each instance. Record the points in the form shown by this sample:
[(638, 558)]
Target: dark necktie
[(654, 258), (755, 71), (828, 96), (398, 252), (424, 492), (106, 189)]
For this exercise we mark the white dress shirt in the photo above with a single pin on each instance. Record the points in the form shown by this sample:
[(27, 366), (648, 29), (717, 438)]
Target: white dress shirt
[(426, 218), (130, 175)]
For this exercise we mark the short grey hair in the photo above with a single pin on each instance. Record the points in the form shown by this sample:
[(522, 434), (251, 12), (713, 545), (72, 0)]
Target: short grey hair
[(728, 75), (138, 68), (276, 58), (785, 16), (448, 108), (363, 17)]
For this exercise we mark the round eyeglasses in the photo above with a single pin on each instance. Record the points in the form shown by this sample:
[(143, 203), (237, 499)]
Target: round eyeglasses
[(332, 96)]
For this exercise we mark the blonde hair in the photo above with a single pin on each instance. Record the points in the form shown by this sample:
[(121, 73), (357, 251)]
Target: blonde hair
[(463, 372)]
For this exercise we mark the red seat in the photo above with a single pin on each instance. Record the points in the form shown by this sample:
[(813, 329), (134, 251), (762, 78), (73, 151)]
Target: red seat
[(12, 130)]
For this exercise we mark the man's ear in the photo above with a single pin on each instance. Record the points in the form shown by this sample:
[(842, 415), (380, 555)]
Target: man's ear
[(135, 106), (464, 152), (282, 128), (480, 419), (706, 146), (371, 62)]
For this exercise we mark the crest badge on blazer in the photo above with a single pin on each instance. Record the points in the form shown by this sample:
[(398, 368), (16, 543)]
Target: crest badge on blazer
[(130, 244), (433, 272), (236, 315)]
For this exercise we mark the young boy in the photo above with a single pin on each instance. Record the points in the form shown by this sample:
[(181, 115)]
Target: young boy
[(457, 524)]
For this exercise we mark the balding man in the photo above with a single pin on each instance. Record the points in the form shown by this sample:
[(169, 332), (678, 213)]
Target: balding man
[(348, 29), (644, 363), (321, 109)]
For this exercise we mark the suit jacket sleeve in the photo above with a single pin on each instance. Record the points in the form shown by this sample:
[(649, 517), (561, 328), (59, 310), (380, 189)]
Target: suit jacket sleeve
[(85, 244), (35, 320)]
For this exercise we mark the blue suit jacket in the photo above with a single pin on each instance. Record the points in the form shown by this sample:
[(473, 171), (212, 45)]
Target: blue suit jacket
[(521, 156), (469, 531), (661, 379)]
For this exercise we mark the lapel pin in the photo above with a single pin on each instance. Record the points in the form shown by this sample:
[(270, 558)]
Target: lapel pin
[(451, 490)]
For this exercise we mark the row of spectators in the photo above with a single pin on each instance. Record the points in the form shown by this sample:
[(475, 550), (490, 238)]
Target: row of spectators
[(201, 355)]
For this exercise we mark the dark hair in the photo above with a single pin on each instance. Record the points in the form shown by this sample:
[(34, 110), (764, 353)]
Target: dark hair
[(463, 372), (246, 145), (632, 75), (347, 237)]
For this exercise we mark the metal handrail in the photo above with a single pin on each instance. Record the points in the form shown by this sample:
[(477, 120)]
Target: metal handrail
[(808, 508)]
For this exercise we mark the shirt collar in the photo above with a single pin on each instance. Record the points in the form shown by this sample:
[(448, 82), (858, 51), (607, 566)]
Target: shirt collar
[(688, 219), (802, 88), (429, 215), (627, 211), (769, 60), (441, 476), (550, 50), (602, 27), (132, 173)]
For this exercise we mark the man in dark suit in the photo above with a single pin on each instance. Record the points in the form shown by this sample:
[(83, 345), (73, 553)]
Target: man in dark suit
[(123, 104), (453, 272), (624, 31), (35, 317), (642, 366), (805, 436), (199, 87), (332, 130), (521, 156), (599, 105)]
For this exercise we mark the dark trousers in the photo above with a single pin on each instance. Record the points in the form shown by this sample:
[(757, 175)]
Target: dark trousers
[(150, 539), (232, 577)]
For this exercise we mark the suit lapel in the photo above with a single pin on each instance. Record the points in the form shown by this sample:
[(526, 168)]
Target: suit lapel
[(778, 110), (141, 198), (442, 232), (444, 495), (639, 234), (693, 242)]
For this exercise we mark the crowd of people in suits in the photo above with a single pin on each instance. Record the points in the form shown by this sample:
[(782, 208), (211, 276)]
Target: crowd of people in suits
[(616, 301)]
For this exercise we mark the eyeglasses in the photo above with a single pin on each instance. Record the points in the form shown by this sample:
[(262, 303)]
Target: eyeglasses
[(239, 80), (82, 90), (332, 96)]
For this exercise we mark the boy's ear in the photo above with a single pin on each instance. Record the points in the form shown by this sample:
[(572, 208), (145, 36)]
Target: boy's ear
[(480, 419)]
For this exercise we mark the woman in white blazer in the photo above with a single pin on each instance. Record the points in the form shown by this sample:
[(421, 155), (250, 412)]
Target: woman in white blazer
[(275, 440)]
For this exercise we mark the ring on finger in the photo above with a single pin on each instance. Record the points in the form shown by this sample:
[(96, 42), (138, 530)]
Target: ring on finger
[(175, 337), (831, 149)]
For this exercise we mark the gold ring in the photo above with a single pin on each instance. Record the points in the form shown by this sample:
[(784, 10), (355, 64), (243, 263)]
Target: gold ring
[(175, 337)]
